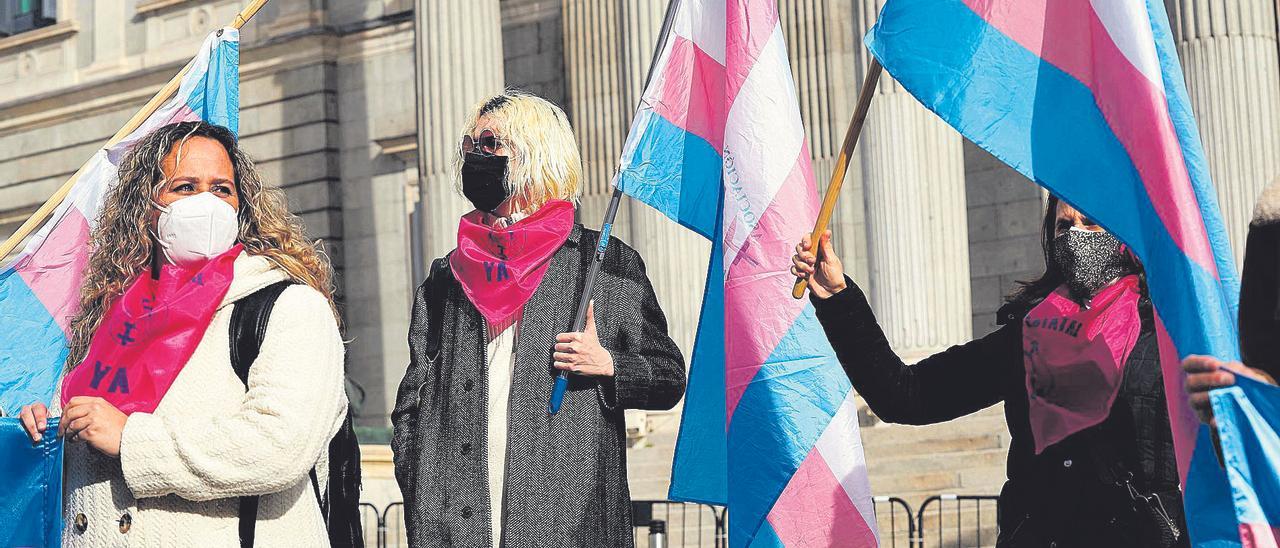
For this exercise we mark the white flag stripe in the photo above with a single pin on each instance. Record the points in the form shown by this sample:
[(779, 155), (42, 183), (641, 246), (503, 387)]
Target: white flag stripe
[(1129, 25), (703, 24), (841, 447), (764, 136)]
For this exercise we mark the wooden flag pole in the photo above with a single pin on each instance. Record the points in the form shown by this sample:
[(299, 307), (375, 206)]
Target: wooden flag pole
[(147, 110), (842, 162)]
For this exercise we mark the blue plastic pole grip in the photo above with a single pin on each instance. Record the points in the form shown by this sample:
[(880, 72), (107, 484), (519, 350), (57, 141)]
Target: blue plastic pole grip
[(557, 393)]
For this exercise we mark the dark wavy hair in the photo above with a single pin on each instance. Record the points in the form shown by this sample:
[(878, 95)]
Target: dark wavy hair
[(1031, 292)]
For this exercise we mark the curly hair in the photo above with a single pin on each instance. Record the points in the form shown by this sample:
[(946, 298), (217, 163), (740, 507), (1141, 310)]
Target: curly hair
[(121, 246)]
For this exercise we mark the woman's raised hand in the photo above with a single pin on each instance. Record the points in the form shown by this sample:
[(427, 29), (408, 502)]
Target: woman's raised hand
[(35, 419), (823, 270), (1205, 373)]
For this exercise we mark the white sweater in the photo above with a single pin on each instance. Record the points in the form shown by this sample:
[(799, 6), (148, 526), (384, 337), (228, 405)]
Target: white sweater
[(208, 442)]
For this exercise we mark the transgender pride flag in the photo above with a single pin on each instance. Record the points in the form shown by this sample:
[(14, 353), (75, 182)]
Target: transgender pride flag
[(39, 294), (769, 425), (1086, 97)]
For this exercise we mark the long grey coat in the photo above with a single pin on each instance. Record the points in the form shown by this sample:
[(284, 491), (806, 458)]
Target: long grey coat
[(566, 480)]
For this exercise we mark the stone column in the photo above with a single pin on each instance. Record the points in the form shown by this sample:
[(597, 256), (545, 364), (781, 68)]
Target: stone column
[(594, 44), (459, 61), (608, 49), (917, 228), (1229, 56)]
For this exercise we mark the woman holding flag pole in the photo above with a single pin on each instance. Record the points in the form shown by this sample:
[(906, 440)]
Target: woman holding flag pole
[(168, 443), (1091, 462), (480, 459)]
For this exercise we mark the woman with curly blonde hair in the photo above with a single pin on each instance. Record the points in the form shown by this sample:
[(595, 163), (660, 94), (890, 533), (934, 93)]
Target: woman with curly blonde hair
[(170, 443)]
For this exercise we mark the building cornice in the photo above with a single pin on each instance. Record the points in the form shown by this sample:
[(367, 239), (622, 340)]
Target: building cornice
[(146, 7), (404, 147), (104, 96), (57, 31)]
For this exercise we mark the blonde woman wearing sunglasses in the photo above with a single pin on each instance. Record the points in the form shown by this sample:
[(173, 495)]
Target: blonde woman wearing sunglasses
[(479, 459)]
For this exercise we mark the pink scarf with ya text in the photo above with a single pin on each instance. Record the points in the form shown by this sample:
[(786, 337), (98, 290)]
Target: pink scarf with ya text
[(500, 268), (149, 334)]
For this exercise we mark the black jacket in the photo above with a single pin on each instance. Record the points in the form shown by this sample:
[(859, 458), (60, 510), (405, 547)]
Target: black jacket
[(1260, 297), (1066, 496), (566, 482)]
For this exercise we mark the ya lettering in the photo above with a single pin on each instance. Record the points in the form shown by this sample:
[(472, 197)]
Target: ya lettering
[(119, 379), (496, 271)]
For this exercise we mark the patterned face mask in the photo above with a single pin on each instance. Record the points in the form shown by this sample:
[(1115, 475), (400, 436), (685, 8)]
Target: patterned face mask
[(1089, 261)]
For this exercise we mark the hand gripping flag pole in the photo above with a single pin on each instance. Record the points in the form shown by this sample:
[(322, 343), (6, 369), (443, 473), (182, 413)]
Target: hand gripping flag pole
[(842, 162), (33, 222), (606, 226)]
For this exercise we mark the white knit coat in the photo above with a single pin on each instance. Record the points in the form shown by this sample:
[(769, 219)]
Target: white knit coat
[(182, 467)]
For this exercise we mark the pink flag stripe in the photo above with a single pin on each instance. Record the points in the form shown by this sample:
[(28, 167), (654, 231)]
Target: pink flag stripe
[(1259, 535), (689, 96), (801, 519), (1183, 422), (749, 24), (841, 446), (55, 269), (1134, 107), (760, 272)]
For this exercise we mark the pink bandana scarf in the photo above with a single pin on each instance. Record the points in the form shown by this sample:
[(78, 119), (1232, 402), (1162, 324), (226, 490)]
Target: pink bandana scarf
[(149, 334), (1075, 358), (500, 268)]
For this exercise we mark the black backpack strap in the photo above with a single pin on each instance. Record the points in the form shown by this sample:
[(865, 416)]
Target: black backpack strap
[(438, 278), (249, 317)]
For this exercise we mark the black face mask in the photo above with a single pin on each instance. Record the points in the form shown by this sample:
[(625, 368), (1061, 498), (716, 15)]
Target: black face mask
[(1089, 261), (483, 180)]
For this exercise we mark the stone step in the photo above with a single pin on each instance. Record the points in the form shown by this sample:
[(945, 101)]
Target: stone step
[(962, 442), (887, 464), (927, 482), (901, 433)]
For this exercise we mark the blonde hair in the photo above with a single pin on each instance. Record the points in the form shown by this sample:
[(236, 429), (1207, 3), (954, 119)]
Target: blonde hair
[(122, 244), (544, 160)]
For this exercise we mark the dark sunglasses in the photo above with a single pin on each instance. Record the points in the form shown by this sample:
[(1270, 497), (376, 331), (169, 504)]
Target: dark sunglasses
[(486, 143)]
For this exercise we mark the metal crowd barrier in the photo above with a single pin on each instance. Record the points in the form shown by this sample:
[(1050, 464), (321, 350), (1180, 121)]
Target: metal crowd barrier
[(957, 521), (895, 522), (680, 524), (943, 521)]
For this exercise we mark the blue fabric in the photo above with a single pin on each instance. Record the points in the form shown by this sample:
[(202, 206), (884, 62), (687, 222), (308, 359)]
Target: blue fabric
[(1047, 125), (1248, 417), (673, 171), (217, 100), (30, 486), (32, 347), (699, 471), (766, 537)]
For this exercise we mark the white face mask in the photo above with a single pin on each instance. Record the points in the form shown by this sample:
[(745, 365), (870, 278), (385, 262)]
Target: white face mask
[(197, 228)]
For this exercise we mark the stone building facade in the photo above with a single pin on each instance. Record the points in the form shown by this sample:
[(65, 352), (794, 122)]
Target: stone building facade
[(356, 115)]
